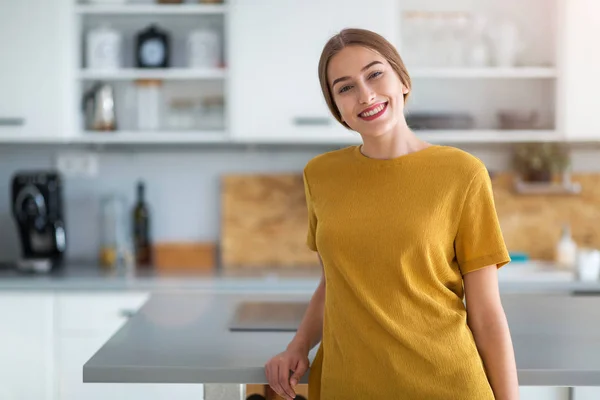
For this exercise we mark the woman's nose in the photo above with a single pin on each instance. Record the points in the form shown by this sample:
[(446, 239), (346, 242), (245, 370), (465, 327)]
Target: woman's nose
[(367, 95)]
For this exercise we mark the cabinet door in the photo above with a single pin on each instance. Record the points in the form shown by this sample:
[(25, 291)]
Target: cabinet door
[(74, 351), (26, 347), (85, 321), (580, 63), (275, 47), (586, 393), (33, 88), (545, 393)]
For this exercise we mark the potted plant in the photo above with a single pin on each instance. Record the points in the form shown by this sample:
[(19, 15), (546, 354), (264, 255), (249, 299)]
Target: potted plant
[(540, 162)]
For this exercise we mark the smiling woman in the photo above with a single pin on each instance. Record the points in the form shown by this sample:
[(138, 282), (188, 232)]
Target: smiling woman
[(405, 231), (382, 68)]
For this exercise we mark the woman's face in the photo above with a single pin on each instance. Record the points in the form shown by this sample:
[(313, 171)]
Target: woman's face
[(366, 90)]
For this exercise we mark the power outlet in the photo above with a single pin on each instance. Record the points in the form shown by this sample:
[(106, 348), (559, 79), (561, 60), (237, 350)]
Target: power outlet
[(77, 164)]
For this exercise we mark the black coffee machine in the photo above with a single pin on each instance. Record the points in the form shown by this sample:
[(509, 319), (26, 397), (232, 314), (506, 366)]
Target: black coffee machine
[(38, 212)]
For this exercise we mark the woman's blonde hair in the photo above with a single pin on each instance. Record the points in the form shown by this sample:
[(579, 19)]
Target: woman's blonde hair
[(364, 38)]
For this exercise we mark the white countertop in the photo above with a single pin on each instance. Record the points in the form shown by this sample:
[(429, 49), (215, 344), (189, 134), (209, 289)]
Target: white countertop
[(555, 339), (514, 277)]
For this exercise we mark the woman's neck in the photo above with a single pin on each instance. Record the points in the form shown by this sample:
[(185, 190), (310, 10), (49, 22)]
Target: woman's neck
[(396, 143)]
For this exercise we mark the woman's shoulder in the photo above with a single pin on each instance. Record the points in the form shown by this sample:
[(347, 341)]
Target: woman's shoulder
[(459, 162), (326, 161)]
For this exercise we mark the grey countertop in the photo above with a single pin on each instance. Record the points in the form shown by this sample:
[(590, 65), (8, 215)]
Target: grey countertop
[(184, 338), (513, 278)]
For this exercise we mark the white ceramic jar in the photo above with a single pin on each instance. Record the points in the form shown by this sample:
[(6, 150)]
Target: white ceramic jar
[(149, 104), (104, 48), (204, 48)]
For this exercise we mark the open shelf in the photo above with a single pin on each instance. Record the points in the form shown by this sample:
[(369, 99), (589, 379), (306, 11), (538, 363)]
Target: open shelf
[(152, 9), (159, 73), (158, 137), (546, 188), (487, 136), (219, 136), (488, 73)]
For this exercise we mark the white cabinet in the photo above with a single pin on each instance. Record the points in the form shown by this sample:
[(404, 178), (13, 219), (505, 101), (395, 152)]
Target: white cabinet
[(77, 350), (580, 63), (543, 393), (34, 36), (586, 393), (275, 46), (84, 323), (26, 346)]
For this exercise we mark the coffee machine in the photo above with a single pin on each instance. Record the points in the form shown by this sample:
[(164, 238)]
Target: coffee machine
[(38, 212)]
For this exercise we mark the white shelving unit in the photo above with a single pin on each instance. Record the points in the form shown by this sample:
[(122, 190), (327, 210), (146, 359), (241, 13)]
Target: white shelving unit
[(162, 137), (487, 73), (165, 74), (151, 9), (178, 81), (487, 136), (439, 40)]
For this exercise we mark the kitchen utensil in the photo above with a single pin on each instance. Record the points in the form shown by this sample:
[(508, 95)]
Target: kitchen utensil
[(268, 316), (264, 222), (37, 208), (435, 121), (518, 119), (173, 257), (99, 108)]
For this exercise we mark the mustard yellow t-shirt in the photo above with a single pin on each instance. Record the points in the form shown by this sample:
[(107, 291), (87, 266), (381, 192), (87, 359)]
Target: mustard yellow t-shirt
[(396, 237)]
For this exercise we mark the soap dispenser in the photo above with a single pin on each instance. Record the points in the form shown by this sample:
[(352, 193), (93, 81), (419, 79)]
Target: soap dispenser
[(566, 249)]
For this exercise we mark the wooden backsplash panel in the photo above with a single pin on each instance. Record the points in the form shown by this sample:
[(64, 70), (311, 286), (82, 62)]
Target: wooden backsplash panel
[(264, 219), (264, 222), (533, 223)]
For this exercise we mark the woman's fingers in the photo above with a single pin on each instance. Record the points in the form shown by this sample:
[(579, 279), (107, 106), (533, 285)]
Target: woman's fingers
[(274, 379), (284, 379)]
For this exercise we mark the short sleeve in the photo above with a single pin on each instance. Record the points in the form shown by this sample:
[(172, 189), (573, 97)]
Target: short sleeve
[(479, 241), (312, 217)]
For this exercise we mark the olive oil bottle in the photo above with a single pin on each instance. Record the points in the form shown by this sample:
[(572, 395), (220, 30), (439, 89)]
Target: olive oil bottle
[(141, 230)]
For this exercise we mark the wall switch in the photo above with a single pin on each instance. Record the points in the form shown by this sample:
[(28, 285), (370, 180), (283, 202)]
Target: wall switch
[(77, 164)]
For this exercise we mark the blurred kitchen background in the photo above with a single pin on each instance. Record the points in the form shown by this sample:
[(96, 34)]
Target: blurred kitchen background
[(169, 137), (179, 96)]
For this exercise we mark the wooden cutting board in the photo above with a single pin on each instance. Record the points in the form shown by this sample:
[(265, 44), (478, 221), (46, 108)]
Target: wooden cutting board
[(264, 222)]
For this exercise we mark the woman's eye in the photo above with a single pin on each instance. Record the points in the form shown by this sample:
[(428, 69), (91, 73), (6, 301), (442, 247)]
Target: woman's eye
[(375, 74), (345, 88)]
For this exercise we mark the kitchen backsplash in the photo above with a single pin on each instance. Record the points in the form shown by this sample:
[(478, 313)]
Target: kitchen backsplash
[(532, 223), (184, 186)]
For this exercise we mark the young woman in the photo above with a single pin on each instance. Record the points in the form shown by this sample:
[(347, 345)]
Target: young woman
[(404, 231)]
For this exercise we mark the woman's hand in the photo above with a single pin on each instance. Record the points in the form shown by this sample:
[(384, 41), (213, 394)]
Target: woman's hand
[(277, 370)]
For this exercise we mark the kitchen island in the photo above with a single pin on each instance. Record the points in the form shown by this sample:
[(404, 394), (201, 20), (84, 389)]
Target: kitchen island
[(184, 337)]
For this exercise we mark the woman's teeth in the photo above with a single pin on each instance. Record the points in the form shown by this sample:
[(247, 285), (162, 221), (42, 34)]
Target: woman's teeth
[(373, 111)]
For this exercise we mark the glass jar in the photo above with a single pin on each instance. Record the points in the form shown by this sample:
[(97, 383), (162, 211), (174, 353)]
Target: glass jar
[(213, 113), (115, 244), (182, 114)]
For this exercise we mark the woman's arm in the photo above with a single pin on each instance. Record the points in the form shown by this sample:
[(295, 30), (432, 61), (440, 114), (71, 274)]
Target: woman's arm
[(295, 356), (487, 320), (310, 331)]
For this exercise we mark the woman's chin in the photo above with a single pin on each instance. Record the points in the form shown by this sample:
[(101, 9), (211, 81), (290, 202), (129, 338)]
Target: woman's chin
[(374, 130)]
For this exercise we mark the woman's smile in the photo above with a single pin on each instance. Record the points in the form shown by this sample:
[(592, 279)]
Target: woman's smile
[(373, 112)]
